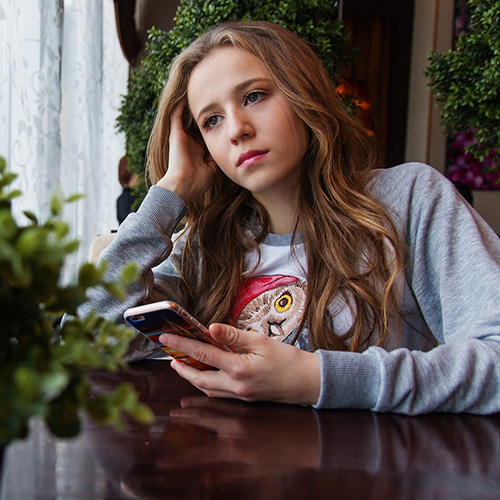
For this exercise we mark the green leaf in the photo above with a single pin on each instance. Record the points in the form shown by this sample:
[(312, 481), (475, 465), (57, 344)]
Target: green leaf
[(124, 397), (142, 414), (26, 381), (89, 275), (14, 194), (74, 197), (129, 273), (71, 246), (56, 205), (63, 418), (32, 217), (32, 241), (7, 178), (102, 410), (117, 290), (59, 228), (8, 226)]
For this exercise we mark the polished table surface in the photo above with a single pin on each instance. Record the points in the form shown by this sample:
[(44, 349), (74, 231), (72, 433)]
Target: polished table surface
[(201, 448)]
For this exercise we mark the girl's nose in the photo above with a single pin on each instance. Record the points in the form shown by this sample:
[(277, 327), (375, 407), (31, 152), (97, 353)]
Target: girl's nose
[(240, 127)]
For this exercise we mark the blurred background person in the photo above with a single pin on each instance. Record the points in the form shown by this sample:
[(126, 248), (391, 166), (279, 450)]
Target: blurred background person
[(127, 180)]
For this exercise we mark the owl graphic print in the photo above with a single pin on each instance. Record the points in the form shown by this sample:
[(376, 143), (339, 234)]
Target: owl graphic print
[(271, 305)]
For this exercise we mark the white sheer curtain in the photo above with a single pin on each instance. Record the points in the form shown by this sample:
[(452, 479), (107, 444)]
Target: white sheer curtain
[(62, 73)]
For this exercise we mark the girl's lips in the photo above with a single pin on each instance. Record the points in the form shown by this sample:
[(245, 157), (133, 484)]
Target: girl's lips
[(250, 157)]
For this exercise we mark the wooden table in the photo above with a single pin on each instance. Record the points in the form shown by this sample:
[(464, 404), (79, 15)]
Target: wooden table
[(200, 448)]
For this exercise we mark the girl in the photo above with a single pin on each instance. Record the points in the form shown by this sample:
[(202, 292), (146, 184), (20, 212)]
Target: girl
[(339, 285)]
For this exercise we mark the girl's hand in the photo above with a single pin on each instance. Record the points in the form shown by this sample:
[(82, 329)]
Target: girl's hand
[(263, 369), (191, 170)]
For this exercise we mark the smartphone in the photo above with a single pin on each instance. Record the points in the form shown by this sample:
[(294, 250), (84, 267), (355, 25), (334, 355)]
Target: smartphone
[(151, 320)]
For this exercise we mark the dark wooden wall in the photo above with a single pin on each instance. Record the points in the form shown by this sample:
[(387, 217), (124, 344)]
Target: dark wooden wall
[(382, 31)]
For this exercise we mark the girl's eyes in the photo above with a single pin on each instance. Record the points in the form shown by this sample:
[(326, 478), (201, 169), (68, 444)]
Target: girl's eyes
[(254, 96), (211, 122), (251, 98)]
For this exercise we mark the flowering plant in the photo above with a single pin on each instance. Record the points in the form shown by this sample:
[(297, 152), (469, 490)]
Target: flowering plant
[(465, 168), (465, 83)]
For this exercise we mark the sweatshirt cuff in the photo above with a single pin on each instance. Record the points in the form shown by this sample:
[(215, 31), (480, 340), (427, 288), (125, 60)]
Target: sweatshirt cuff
[(348, 380), (155, 204)]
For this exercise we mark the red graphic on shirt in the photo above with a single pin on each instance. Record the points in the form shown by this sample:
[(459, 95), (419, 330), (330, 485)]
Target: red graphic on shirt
[(271, 305)]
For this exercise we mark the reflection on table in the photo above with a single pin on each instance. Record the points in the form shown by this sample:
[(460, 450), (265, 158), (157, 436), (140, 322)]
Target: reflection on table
[(201, 448)]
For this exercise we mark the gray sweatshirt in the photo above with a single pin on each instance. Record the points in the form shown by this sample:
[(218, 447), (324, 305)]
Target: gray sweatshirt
[(448, 356)]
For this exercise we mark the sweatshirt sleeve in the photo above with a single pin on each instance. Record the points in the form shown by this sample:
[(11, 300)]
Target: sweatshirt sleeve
[(454, 275), (145, 238)]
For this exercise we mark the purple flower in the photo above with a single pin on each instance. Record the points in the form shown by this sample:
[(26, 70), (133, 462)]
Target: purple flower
[(464, 168)]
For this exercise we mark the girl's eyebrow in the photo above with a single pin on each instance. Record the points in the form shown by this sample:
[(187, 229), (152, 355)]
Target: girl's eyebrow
[(237, 88)]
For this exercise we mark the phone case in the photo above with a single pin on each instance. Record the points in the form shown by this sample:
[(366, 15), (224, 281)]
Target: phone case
[(154, 319)]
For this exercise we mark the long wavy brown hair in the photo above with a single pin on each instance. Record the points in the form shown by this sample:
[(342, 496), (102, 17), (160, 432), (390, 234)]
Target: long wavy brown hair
[(352, 248)]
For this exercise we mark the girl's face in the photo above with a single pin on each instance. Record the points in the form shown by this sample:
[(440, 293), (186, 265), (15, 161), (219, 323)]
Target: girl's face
[(248, 126)]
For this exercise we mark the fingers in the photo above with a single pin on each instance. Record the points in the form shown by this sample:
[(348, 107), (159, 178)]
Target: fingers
[(201, 351), (191, 170), (214, 384), (177, 131), (176, 116), (249, 344), (239, 340)]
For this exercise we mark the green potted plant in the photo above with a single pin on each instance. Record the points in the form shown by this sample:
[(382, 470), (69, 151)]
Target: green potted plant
[(45, 365), (465, 83), (316, 21)]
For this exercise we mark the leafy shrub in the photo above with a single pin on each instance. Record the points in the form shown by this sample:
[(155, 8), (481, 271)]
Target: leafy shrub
[(316, 21), (465, 81), (44, 367)]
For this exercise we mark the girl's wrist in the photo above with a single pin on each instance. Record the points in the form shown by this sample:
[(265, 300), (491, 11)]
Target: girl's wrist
[(312, 379), (180, 188)]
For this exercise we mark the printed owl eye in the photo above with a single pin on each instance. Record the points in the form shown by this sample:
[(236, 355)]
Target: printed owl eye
[(283, 303)]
